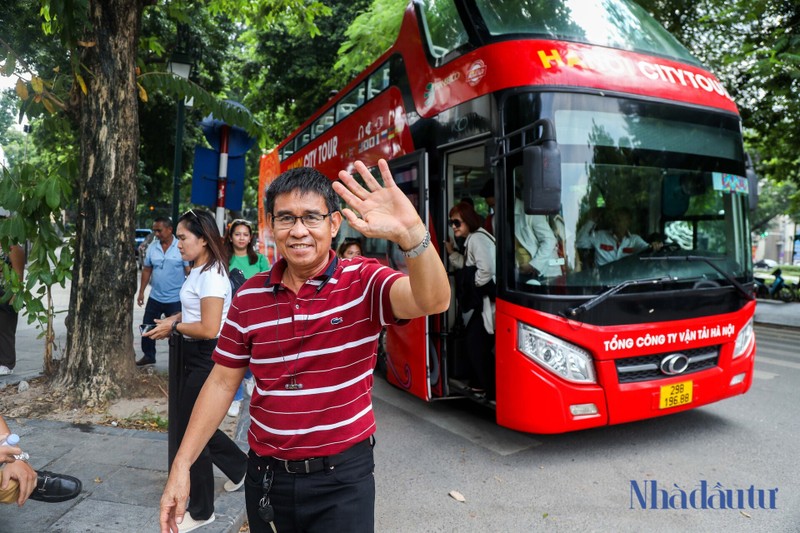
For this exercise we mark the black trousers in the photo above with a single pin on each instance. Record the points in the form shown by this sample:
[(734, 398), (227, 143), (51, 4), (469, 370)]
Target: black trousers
[(341, 499), (8, 336), (478, 344), (220, 450)]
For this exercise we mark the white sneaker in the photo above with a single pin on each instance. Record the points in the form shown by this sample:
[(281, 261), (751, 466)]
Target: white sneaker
[(233, 410), (230, 486), (249, 386), (190, 524), (4, 370)]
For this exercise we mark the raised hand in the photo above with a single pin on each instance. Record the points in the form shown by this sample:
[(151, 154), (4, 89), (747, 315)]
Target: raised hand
[(386, 212)]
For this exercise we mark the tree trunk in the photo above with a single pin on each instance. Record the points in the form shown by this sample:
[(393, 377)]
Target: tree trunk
[(99, 355)]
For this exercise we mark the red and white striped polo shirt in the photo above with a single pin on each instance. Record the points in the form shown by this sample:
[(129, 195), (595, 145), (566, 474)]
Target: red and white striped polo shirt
[(326, 337)]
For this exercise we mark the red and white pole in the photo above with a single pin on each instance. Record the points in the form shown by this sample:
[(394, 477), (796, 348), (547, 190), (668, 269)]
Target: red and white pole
[(223, 177)]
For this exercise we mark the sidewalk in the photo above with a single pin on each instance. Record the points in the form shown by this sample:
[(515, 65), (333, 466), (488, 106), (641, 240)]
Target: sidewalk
[(777, 313), (123, 471)]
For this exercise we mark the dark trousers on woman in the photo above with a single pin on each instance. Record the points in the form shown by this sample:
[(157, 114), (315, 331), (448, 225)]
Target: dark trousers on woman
[(220, 450), (8, 336), (339, 499), (478, 344)]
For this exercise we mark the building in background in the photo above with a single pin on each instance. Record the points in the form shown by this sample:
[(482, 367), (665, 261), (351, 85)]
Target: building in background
[(780, 242)]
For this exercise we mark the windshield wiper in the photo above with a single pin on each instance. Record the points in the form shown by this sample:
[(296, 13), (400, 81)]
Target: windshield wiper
[(710, 262), (575, 312)]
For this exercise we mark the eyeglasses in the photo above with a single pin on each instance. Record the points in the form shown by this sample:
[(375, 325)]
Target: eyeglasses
[(311, 221), (454, 222)]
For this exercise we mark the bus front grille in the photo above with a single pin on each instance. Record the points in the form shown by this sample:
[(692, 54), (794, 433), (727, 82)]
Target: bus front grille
[(649, 367)]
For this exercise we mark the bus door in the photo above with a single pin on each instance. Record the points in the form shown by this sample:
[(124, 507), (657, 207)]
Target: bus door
[(412, 355), (468, 180)]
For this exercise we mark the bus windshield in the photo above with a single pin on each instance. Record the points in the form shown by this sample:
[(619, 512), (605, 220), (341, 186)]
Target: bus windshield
[(612, 23), (649, 191)]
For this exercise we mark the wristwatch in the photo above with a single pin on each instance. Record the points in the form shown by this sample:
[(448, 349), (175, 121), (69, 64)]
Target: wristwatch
[(418, 249), (175, 326)]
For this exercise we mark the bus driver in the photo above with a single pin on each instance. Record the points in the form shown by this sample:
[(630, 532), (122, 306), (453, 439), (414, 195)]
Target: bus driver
[(614, 243)]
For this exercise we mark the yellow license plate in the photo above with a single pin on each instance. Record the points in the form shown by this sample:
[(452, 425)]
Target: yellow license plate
[(675, 395)]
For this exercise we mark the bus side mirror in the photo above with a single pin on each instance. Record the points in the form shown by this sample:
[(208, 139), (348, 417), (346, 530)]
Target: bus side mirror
[(541, 168)]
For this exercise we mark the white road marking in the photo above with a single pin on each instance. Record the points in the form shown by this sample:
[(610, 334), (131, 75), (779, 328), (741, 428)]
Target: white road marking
[(777, 362), (760, 374)]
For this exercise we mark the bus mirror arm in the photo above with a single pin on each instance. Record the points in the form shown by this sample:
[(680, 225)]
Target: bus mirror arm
[(710, 262), (541, 168)]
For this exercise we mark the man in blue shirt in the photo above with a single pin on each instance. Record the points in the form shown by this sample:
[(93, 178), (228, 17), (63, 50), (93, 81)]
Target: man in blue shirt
[(164, 270)]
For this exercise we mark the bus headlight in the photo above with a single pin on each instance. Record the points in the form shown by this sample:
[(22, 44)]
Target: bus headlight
[(743, 340), (557, 356)]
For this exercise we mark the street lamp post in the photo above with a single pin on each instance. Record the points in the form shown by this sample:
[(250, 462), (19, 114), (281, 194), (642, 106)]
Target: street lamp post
[(180, 65)]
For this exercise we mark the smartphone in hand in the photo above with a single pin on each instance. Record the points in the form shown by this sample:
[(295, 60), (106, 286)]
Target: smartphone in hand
[(144, 328)]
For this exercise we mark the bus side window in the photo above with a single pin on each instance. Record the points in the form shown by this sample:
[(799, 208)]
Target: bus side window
[(322, 123), (350, 102), (444, 30), (287, 150), (378, 80), (344, 110), (303, 138)]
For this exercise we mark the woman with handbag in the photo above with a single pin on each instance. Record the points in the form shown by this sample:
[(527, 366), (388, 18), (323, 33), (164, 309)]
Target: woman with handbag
[(475, 288), (205, 299)]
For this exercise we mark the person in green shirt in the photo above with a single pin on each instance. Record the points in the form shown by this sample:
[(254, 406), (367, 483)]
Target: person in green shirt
[(243, 255)]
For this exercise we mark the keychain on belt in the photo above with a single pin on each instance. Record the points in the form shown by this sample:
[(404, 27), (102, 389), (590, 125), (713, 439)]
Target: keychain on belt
[(265, 510)]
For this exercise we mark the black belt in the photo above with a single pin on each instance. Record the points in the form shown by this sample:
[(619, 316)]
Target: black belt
[(316, 464), (191, 339)]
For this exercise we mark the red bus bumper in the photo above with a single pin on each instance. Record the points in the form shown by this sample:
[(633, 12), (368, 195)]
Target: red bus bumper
[(533, 399)]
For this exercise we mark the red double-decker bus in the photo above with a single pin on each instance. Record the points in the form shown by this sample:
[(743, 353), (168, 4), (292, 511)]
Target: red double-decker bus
[(576, 113)]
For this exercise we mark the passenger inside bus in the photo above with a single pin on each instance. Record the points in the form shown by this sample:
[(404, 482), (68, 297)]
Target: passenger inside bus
[(600, 242), (475, 293), (459, 241), (535, 247)]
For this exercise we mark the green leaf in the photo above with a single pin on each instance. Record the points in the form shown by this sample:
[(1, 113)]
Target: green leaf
[(35, 306), (16, 229), (10, 65), (10, 196), (53, 193)]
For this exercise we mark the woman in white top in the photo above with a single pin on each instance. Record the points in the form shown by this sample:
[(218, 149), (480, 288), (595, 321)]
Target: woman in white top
[(205, 299), (475, 290)]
